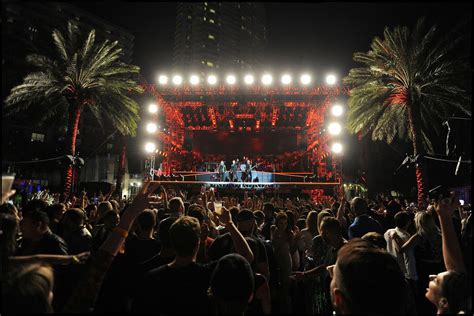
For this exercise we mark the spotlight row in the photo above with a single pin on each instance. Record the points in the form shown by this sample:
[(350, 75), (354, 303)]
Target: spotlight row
[(266, 79), (335, 128)]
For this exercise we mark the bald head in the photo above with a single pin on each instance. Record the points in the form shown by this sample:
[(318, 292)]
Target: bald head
[(358, 206)]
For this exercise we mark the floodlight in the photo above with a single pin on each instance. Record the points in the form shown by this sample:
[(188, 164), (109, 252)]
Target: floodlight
[(337, 110), (336, 148), (249, 79), (162, 79), (330, 79), (334, 128), (230, 79), (153, 108), (194, 80), (177, 80), (151, 127), (305, 79), (267, 79), (286, 79), (211, 79), (150, 147)]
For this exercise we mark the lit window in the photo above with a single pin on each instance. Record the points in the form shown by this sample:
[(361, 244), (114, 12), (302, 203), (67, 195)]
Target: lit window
[(212, 10), (211, 21), (210, 64), (36, 137), (210, 36)]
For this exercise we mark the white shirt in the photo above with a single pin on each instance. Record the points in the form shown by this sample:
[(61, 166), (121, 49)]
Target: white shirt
[(406, 261)]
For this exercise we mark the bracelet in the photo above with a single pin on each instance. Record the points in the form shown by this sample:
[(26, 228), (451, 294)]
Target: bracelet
[(121, 231), (75, 260)]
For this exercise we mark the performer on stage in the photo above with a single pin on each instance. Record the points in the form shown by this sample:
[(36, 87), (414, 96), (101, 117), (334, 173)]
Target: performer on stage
[(233, 170), (249, 170), (221, 170)]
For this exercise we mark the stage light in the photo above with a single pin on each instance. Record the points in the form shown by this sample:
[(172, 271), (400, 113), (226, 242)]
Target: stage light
[(267, 79), (305, 79), (151, 127), (153, 108), (194, 80), (212, 79), (330, 79), (230, 79), (150, 147), (162, 79), (286, 79), (336, 148), (337, 110), (334, 128), (249, 79), (177, 80)]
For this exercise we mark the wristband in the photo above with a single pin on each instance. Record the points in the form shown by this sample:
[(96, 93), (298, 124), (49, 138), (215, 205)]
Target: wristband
[(75, 260), (122, 232)]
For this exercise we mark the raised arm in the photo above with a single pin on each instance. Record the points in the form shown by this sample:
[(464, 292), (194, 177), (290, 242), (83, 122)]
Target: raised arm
[(340, 212), (452, 254), (52, 259), (240, 244), (85, 294)]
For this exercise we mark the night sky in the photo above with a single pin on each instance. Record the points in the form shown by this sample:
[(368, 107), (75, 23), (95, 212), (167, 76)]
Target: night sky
[(314, 37)]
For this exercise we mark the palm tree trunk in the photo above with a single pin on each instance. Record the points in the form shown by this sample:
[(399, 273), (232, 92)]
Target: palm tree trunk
[(417, 150), (73, 126), (121, 170)]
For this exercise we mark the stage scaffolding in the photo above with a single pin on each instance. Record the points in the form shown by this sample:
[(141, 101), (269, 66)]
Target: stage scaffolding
[(223, 106)]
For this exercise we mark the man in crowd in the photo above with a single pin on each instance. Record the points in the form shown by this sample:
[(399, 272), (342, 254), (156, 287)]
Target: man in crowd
[(363, 223)]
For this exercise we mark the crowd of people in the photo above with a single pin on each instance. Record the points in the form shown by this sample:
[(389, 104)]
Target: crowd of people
[(170, 252)]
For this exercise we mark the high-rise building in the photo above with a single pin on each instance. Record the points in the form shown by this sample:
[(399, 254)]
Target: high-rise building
[(219, 35)]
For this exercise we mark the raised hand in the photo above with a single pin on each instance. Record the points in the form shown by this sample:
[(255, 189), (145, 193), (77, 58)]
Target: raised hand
[(447, 210), (225, 218), (81, 258)]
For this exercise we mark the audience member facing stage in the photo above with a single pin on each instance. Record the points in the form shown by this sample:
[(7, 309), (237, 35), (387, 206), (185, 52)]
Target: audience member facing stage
[(363, 223), (366, 280)]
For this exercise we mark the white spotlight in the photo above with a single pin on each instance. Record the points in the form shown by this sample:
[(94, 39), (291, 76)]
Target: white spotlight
[(336, 148), (286, 79), (153, 108), (330, 79), (334, 128), (249, 79), (212, 79), (267, 79), (194, 80), (305, 79), (177, 80), (162, 79), (230, 79), (337, 110), (151, 127), (150, 147)]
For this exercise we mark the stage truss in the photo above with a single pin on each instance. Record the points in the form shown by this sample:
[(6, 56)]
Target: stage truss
[(204, 108)]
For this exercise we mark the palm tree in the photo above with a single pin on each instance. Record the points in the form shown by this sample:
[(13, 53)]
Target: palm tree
[(409, 83), (82, 74)]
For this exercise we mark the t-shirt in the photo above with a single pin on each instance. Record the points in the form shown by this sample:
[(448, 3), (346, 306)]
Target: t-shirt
[(224, 245), (168, 290), (139, 250), (362, 225)]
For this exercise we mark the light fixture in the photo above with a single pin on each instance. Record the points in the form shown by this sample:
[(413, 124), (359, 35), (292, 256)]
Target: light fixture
[(286, 79), (150, 147), (177, 80), (336, 148), (211, 79), (153, 108), (249, 79), (162, 79), (194, 80), (305, 79), (334, 128), (151, 127), (330, 79), (231, 79), (267, 79), (337, 110)]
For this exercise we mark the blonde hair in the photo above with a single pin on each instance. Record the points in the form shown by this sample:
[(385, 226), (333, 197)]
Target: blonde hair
[(426, 228)]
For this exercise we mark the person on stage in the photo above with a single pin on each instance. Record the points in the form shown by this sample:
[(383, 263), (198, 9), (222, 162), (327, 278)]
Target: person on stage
[(248, 171), (233, 170), (221, 171)]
